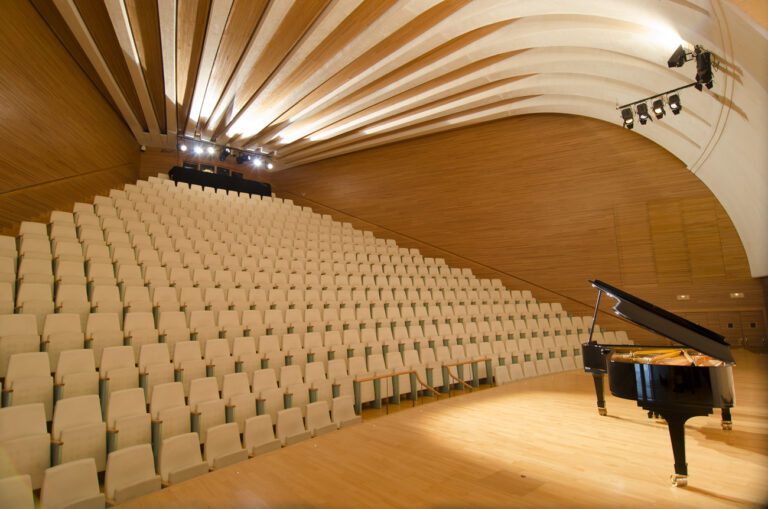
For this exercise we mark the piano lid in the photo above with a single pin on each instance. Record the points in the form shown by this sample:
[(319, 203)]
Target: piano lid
[(666, 323)]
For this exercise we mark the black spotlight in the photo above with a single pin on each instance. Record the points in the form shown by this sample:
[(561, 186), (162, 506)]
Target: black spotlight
[(224, 153), (241, 158), (629, 118), (642, 113), (674, 104), (678, 58), (658, 108), (703, 69)]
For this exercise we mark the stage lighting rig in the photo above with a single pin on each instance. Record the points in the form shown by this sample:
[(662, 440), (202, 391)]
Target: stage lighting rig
[(704, 78)]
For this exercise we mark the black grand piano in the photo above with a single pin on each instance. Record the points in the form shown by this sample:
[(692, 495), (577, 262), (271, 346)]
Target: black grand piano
[(676, 383)]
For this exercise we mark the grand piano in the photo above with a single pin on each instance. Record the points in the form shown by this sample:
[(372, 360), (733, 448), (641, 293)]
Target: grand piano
[(676, 383)]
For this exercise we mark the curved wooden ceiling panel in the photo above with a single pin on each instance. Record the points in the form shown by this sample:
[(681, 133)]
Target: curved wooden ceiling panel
[(312, 79)]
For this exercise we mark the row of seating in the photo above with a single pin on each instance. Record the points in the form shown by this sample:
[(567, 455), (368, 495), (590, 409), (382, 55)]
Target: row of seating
[(130, 470)]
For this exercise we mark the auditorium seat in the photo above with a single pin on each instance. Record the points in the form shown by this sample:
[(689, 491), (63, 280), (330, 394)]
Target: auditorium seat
[(170, 414), (223, 447), (18, 334), (62, 331), (118, 370), (78, 431), (290, 427), (188, 363), (75, 374), (239, 400), (29, 380), (343, 412), (319, 418), (72, 485), (102, 330), (130, 474), (25, 444), (128, 422), (35, 299), (180, 459), (259, 437), (207, 408), (155, 367)]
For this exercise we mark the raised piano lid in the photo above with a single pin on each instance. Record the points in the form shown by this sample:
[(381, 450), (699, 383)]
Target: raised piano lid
[(665, 323)]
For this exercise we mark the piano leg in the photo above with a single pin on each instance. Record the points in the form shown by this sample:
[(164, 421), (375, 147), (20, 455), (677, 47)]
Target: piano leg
[(726, 423), (599, 391), (676, 424)]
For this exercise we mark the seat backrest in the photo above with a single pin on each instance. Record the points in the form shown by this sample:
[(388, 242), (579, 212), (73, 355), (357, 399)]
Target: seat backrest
[(75, 361), (34, 291), (153, 353), (117, 357), (342, 407), (376, 362), (61, 322), (139, 320), (215, 348), (220, 440), (242, 346), (314, 371), (75, 411), (128, 467), (169, 395), (186, 351), (68, 483), (258, 430), (233, 384), (357, 365), (21, 421), (172, 320), (228, 317), (337, 368), (17, 324), (318, 414), (98, 322), (179, 452), (25, 365), (289, 422), (290, 375), (264, 379), (203, 389), (124, 403), (410, 358), (16, 492), (269, 344)]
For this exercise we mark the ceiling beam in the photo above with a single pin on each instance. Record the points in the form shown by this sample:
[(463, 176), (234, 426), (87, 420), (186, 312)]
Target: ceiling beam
[(71, 16), (166, 10)]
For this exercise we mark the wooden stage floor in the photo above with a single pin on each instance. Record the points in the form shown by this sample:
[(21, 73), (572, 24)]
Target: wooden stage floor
[(538, 442)]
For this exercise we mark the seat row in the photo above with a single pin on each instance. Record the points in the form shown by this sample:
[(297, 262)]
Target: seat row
[(81, 441)]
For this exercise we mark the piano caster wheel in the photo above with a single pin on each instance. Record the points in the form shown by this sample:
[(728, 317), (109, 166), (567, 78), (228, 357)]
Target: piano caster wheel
[(680, 481), (602, 411), (727, 425), (650, 414)]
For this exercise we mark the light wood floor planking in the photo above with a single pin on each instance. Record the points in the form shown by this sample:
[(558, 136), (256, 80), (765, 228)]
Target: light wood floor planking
[(539, 442)]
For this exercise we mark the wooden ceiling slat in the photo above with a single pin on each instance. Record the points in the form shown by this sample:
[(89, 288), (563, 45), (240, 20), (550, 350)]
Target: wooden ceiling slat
[(96, 19), (419, 89), (217, 21), (393, 42), (296, 22), (192, 19), (353, 141), (409, 68), (240, 29), (166, 12), (145, 26)]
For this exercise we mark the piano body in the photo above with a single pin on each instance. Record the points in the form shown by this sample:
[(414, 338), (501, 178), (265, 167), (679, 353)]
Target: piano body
[(676, 383)]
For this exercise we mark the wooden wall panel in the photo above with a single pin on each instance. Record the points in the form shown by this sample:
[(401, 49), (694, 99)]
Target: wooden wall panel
[(547, 202), (60, 141)]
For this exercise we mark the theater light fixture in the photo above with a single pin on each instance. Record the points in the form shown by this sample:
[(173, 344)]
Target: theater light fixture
[(642, 113), (658, 108), (674, 104), (679, 57), (198, 149), (183, 147), (270, 166), (629, 118), (703, 69), (224, 153), (210, 150), (258, 162)]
